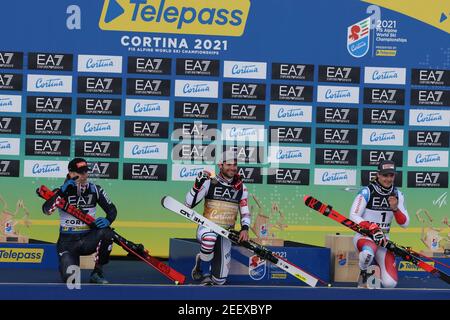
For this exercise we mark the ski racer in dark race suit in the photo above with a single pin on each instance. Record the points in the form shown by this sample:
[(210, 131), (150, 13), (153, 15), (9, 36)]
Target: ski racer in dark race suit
[(75, 237)]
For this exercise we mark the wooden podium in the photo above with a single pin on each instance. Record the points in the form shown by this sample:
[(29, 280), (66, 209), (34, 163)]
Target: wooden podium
[(263, 236), (13, 238), (344, 258)]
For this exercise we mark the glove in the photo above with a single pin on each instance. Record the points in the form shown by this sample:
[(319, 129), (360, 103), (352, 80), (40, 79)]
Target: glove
[(67, 184), (376, 233), (393, 201), (200, 180), (102, 223), (237, 181)]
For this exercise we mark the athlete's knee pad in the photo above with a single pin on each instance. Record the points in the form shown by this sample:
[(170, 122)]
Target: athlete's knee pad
[(67, 261), (365, 258), (220, 266)]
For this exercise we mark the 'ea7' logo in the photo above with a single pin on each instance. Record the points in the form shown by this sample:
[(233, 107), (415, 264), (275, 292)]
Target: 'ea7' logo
[(91, 147), (288, 174), (148, 170), (382, 114), (197, 65), (4, 165), (80, 201), (239, 110), (195, 151), (99, 168), (243, 152), (52, 125), (195, 108), (431, 75), (48, 103), (333, 72), (147, 85), (247, 173), (152, 64), (291, 91), (47, 145), (54, 60), (5, 58), (332, 134), (425, 95), (226, 193), (100, 83), (5, 79), (383, 94), (290, 69), (341, 114), (97, 104), (425, 137), (4, 123), (377, 156), (197, 129), (333, 155), (426, 177), (286, 133), (245, 89), (147, 127)]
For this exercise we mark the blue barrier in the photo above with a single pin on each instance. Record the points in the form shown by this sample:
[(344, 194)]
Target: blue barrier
[(315, 260), (25, 255)]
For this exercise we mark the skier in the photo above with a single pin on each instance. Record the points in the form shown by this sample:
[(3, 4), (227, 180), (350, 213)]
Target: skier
[(75, 237), (225, 196), (373, 209)]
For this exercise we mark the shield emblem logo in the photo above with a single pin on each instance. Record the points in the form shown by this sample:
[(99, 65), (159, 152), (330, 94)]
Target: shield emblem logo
[(256, 267), (358, 36)]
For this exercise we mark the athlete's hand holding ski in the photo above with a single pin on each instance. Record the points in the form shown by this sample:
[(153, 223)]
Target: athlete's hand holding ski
[(375, 232), (404, 253), (238, 238), (137, 250)]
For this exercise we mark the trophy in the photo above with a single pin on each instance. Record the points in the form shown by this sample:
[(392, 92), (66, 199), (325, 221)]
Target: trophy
[(430, 235), (10, 222), (262, 227)]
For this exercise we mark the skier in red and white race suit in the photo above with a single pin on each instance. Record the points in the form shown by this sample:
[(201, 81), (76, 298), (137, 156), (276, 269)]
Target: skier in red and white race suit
[(225, 197), (373, 209)]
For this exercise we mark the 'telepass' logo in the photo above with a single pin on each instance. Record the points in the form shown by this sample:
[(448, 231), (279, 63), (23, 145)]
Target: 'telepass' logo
[(211, 17), (23, 255)]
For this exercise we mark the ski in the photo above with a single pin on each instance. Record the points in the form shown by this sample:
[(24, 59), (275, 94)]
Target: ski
[(403, 252), (177, 207), (137, 250)]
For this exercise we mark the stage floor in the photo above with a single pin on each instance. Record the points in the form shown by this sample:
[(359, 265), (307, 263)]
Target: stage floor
[(133, 280)]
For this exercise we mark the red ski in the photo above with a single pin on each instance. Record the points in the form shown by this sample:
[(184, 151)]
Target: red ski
[(137, 250), (404, 253)]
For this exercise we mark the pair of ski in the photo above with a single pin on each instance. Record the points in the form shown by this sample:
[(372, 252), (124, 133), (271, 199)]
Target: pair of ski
[(405, 253), (175, 206), (137, 250)]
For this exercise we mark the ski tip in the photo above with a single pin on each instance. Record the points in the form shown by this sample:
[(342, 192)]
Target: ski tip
[(162, 200), (305, 198)]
